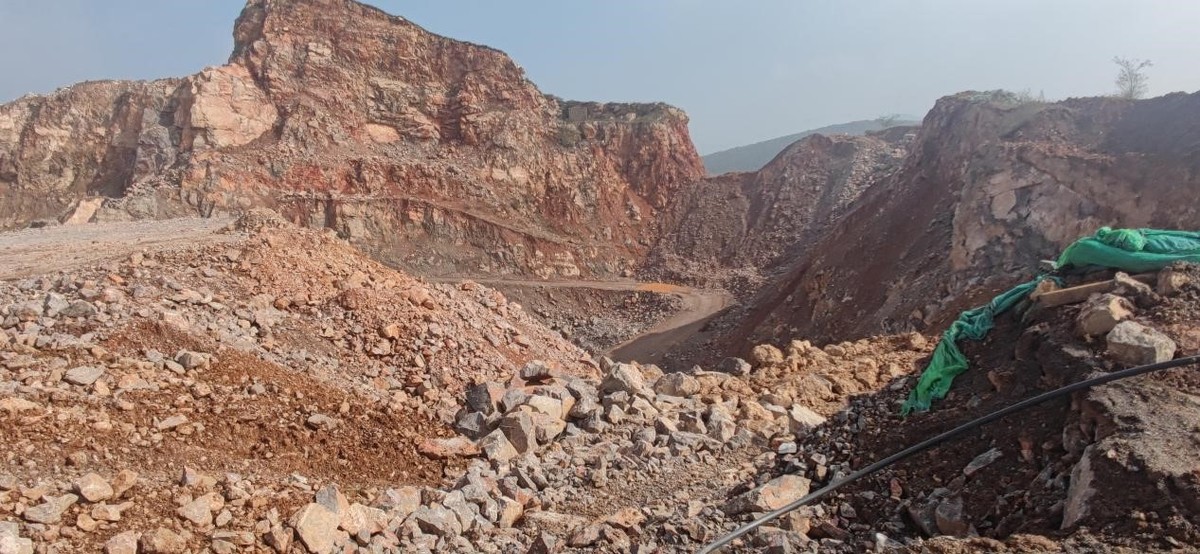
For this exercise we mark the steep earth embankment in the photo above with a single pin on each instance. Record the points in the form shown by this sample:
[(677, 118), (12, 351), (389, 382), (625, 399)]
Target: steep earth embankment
[(734, 227), (989, 186), (422, 150)]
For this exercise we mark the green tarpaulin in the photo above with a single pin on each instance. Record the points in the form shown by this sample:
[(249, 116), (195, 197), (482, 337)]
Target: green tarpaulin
[(1132, 250)]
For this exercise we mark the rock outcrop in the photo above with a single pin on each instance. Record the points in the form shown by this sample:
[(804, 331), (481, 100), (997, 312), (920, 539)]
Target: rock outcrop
[(420, 149), (761, 220), (989, 186)]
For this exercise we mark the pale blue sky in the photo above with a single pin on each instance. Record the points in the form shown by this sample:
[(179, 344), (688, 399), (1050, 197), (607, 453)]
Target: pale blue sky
[(745, 71)]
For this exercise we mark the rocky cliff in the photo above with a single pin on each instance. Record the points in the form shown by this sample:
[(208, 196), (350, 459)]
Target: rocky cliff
[(845, 237), (423, 150), (990, 187), (751, 222)]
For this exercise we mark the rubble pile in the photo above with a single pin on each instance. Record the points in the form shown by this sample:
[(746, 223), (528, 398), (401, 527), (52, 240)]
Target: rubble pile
[(277, 391), (280, 391)]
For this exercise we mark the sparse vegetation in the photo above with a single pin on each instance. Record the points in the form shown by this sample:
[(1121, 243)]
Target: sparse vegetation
[(569, 135), (887, 121), (1026, 96), (1009, 98), (1131, 77)]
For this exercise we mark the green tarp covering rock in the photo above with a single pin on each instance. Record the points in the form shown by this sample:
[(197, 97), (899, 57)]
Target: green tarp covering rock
[(1131, 250)]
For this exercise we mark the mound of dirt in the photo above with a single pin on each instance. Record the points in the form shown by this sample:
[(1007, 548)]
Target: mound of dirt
[(1110, 470), (274, 390), (262, 366)]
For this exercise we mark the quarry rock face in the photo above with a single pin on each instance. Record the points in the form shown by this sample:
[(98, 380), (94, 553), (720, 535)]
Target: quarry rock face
[(842, 237), (339, 115), (991, 187), (763, 219)]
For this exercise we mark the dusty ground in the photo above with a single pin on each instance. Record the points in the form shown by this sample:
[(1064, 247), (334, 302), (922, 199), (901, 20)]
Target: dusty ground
[(594, 319), (648, 320), (40, 251), (269, 388)]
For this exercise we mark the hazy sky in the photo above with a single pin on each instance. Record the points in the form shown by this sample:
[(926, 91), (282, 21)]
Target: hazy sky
[(744, 70)]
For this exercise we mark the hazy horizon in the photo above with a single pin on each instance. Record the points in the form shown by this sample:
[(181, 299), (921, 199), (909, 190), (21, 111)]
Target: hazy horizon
[(743, 75)]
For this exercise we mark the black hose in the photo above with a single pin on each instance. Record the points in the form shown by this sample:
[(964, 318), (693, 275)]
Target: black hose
[(926, 444)]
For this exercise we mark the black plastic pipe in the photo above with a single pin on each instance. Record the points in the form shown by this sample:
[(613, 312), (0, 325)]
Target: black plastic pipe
[(955, 432)]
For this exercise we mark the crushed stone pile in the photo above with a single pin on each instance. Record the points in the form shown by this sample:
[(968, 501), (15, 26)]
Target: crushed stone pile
[(280, 392)]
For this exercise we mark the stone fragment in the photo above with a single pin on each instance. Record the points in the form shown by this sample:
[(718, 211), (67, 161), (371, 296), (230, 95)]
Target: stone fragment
[(109, 512), (1135, 344), (200, 511), (27, 311), (981, 461), (54, 304), (50, 511), (545, 543), (801, 420), (473, 425), (1101, 313), (85, 523), (483, 397), (546, 428), (320, 422), (510, 512), (438, 520), (721, 425), (537, 371), (358, 518), (690, 422), (497, 448), (316, 526), (584, 408), (123, 543), (766, 355), (1129, 286), (93, 488), (519, 428), (624, 378), (1171, 281), (79, 308), (83, 375), (162, 541), (17, 405), (193, 360), (403, 501), (1081, 490), (734, 366), (544, 404), (950, 519), (443, 449), (280, 538), (331, 497), (11, 541), (677, 384), (554, 523), (171, 422), (586, 536), (771, 496), (124, 481)]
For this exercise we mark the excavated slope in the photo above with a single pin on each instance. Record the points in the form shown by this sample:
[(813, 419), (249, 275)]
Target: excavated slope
[(424, 150), (989, 186)]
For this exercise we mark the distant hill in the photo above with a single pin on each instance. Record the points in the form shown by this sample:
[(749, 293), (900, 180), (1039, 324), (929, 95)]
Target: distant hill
[(753, 157)]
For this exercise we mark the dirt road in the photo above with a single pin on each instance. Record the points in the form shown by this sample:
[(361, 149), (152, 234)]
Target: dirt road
[(648, 346), (38, 251)]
